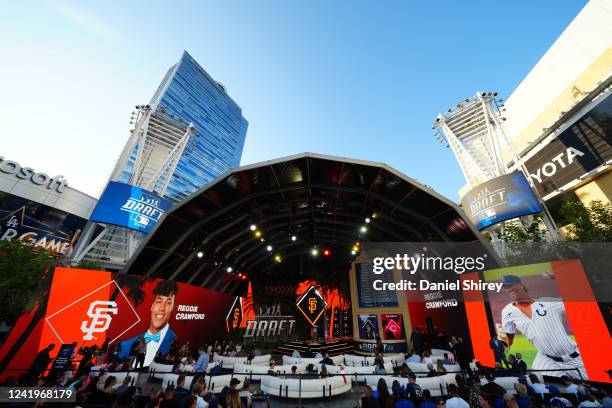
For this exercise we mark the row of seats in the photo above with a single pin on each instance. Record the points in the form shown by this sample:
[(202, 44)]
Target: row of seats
[(435, 385), (305, 388), (256, 372), (229, 362)]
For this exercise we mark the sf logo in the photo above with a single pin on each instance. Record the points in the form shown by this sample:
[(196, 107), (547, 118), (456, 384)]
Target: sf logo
[(312, 304), (236, 317), (100, 313)]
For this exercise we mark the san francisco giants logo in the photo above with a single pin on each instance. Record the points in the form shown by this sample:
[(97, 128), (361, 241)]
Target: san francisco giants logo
[(100, 313), (312, 304), (236, 317)]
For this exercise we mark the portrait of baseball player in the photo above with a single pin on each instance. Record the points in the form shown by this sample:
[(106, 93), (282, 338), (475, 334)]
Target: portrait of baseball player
[(541, 321), (159, 335)]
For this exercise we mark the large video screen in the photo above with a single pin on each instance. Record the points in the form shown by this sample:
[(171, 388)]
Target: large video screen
[(130, 206), (547, 314), (91, 307)]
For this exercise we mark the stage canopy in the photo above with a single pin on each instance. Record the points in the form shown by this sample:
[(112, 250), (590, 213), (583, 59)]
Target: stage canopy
[(240, 227)]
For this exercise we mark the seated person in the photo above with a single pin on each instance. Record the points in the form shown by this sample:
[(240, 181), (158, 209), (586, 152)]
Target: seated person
[(318, 355), (327, 360), (310, 372), (271, 370), (405, 370), (323, 373), (295, 354), (413, 358), (446, 360)]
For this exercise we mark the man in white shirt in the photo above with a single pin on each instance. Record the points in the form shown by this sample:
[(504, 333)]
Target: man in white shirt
[(455, 401)]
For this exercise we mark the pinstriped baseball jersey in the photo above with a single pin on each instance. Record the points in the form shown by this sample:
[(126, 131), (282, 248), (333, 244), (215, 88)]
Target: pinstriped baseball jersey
[(545, 328)]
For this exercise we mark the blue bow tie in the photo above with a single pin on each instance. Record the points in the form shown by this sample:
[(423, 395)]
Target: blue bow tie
[(148, 337)]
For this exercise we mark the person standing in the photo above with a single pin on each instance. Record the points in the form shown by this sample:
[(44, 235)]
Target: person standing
[(41, 361), (202, 364), (417, 341), (499, 351), (141, 351)]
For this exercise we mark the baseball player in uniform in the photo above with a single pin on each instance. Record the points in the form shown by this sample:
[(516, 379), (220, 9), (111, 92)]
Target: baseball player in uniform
[(541, 321)]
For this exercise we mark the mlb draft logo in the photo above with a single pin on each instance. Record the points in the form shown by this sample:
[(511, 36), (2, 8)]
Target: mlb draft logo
[(105, 313)]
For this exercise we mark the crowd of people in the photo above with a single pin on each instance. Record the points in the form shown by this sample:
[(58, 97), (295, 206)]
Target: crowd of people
[(481, 391), (84, 372), (474, 388)]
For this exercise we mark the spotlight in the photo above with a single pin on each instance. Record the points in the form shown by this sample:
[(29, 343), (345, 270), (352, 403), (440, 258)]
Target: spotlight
[(253, 227), (277, 258), (200, 254), (314, 252), (293, 238), (367, 220), (258, 234), (269, 248), (374, 215), (262, 240), (229, 269), (363, 229), (353, 252), (355, 248), (326, 252)]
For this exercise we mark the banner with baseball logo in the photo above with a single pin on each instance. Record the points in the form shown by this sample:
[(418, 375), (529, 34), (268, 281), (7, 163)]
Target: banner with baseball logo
[(96, 307)]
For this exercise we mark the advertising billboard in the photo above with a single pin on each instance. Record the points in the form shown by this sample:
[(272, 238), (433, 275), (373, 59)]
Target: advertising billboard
[(393, 326), (116, 308), (499, 199), (537, 314), (37, 224), (368, 326), (584, 146), (130, 206)]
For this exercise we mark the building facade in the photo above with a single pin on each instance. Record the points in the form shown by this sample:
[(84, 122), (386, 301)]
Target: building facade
[(41, 210), (556, 126), (189, 134)]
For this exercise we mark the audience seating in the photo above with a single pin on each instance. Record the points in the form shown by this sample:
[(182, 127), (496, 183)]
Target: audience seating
[(314, 361), (255, 372), (168, 379), (355, 360), (229, 362), (215, 384), (120, 377), (421, 370), (358, 372), (305, 388), (435, 385)]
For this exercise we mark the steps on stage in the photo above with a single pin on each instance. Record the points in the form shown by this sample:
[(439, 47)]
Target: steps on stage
[(333, 347)]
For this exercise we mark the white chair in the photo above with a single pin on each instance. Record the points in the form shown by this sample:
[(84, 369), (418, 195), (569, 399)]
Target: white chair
[(435, 385), (215, 384), (120, 377), (157, 370), (168, 379), (255, 372), (358, 373), (305, 388)]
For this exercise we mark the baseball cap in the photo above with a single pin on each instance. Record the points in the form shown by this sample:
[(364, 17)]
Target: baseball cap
[(508, 280), (235, 381)]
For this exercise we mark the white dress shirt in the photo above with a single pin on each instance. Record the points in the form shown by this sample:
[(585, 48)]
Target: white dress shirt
[(153, 346)]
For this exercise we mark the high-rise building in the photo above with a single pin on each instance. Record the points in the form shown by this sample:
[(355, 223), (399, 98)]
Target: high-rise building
[(190, 133)]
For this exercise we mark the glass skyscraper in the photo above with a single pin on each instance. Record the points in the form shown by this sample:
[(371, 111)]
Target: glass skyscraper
[(189, 134), (188, 94)]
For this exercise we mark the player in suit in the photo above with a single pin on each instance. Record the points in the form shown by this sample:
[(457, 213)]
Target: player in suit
[(159, 336)]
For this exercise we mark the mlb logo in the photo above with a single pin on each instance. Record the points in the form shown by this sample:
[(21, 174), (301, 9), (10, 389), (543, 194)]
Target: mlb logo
[(490, 213), (144, 221), (105, 313)]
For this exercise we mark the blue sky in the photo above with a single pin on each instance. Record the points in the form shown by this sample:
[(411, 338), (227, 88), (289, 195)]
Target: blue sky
[(359, 79)]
